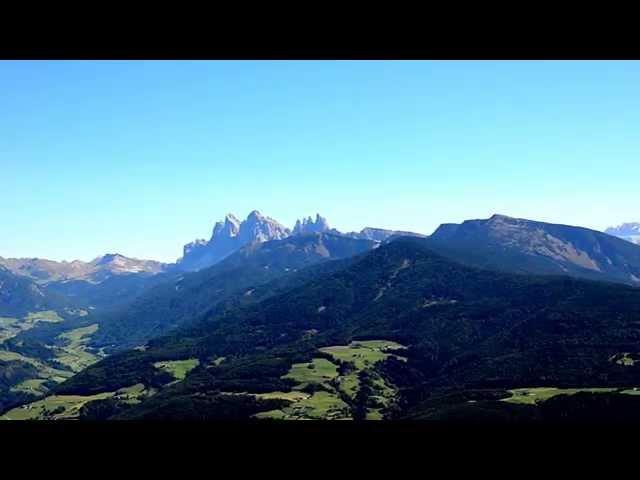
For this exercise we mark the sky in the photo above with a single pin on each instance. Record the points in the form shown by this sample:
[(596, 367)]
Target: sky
[(141, 157)]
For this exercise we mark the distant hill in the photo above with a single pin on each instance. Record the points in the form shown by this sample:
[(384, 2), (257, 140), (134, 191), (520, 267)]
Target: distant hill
[(47, 271), (527, 246), (20, 295)]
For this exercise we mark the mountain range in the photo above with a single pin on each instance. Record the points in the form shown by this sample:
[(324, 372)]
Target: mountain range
[(231, 234), (95, 271), (112, 280), (183, 297), (461, 329), (263, 321)]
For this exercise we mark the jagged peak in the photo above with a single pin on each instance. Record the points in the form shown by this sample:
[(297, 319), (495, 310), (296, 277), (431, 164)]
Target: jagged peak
[(231, 218), (309, 225), (109, 257), (255, 214), (627, 227)]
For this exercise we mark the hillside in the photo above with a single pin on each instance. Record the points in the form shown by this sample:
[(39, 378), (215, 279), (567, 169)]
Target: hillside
[(184, 297), (465, 328), (20, 295)]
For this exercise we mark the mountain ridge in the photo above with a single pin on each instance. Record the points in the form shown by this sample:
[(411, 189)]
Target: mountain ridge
[(186, 295), (531, 246), (229, 236), (232, 234), (46, 271)]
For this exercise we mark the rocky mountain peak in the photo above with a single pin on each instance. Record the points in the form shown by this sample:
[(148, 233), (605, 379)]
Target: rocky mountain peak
[(109, 258), (626, 231), (631, 228), (255, 215), (308, 225), (229, 236), (499, 216), (229, 228), (258, 228)]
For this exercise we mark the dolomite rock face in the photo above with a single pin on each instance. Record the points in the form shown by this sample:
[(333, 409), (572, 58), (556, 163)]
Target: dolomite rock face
[(228, 236), (308, 225), (231, 234)]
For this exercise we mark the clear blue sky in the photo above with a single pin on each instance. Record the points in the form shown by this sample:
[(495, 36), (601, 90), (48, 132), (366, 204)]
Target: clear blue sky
[(142, 157)]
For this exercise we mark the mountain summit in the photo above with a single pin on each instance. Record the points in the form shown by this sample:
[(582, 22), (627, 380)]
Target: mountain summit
[(309, 226), (229, 236), (527, 246)]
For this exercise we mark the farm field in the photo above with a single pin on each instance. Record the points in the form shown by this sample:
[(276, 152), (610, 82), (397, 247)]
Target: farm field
[(332, 394), (178, 368), (531, 396), (133, 394), (55, 407), (74, 354), (45, 371), (364, 353), (67, 407), (10, 327), (319, 406), (319, 371), (68, 353), (34, 386)]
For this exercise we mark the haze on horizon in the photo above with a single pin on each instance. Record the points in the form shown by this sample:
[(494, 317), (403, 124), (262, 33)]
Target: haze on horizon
[(140, 158)]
